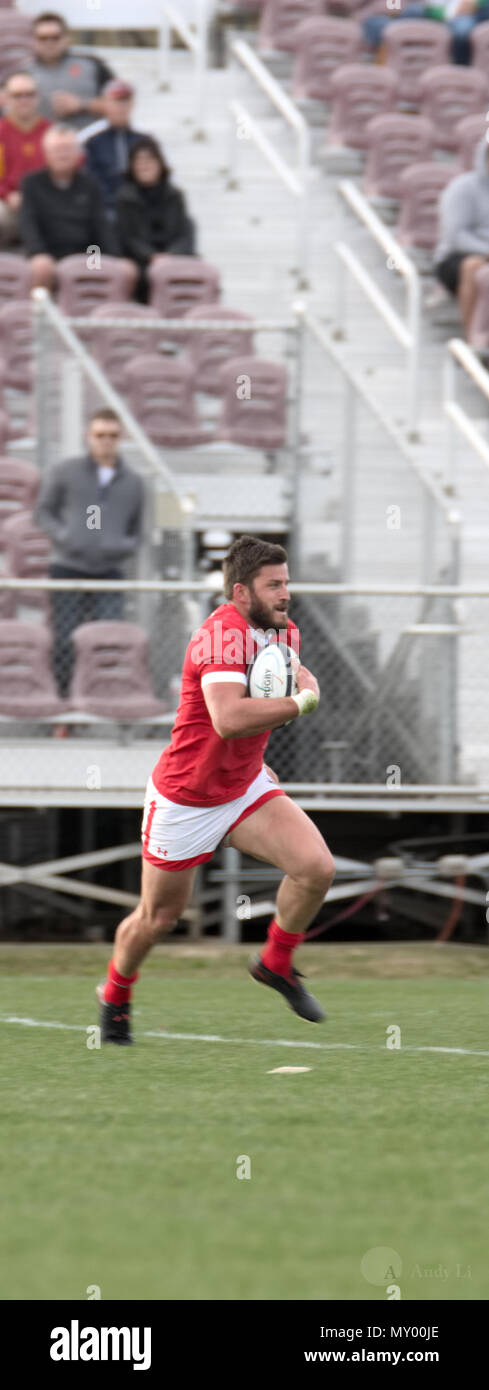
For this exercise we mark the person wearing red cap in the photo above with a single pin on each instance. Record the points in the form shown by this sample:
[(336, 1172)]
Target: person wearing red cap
[(107, 150)]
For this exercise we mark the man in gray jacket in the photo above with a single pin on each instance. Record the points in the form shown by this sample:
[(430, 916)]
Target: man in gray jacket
[(92, 509), (464, 232)]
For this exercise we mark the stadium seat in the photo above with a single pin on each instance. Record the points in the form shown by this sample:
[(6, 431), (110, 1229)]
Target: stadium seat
[(27, 689), (15, 277), (448, 94), (321, 46), (159, 391), (412, 48), (420, 189), (111, 675), (180, 283), (257, 420), (468, 134), (280, 20), (16, 346), (82, 288), (16, 44), (478, 336), (27, 553), (115, 346), (395, 141), (5, 429), (358, 93), (479, 39), (19, 486), (207, 351)]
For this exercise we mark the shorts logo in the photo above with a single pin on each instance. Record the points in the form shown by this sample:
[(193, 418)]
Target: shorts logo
[(162, 851)]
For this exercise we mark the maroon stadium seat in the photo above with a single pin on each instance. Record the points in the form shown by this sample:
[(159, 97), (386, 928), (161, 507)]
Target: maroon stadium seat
[(420, 188), (479, 40), (468, 134), (321, 46), (82, 288), (15, 277), (180, 283), (447, 94), (27, 688), (159, 391), (280, 20), (16, 345), (260, 420), (16, 42), (207, 351), (395, 141), (411, 48), (27, 552), (19, 486), (115, 346), (111, 676), (358, 93)]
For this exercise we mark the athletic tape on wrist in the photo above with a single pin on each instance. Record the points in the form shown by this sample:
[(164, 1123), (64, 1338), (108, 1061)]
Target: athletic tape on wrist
[(306, 701)]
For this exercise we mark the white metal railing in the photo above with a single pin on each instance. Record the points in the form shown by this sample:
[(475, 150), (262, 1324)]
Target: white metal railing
[(457, 419), (196, 40), (435, 502), (408, 332), (296, 181)]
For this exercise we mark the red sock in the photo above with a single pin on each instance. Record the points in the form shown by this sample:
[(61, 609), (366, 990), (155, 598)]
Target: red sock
[(277, 955), (118, 987)]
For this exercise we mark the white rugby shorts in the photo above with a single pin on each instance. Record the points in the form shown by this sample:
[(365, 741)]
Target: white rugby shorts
[(177, 837)]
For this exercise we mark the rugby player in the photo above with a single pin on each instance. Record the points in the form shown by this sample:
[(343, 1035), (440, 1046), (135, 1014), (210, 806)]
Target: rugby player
[(211, 784)]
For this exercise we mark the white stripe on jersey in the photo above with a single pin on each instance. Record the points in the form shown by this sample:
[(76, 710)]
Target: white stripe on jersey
[(213, 676)]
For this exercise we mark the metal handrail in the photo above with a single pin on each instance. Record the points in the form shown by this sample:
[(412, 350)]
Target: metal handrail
[(434, 497), (457, 419), (195, 42), (297, 181), (408, 334)]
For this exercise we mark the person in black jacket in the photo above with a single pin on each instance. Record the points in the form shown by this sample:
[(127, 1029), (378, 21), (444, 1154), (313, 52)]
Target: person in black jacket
[(62, 212), (107, 150), (151, 213)]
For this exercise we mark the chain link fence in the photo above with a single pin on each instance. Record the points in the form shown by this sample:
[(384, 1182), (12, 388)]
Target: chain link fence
[(404, 680)]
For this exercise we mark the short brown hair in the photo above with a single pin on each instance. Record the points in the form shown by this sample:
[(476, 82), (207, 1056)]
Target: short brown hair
[(48, 17), (246, 557), (105, 413)]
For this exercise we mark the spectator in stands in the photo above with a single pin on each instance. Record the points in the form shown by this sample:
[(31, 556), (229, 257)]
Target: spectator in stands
[(460, 15), (70, 83), (62, 212), (107, 151), (464, 232), (21, 152), (151, 213), (91, 507)]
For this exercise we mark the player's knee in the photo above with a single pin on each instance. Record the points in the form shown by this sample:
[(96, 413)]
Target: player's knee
[(155, 921), (319, 871)]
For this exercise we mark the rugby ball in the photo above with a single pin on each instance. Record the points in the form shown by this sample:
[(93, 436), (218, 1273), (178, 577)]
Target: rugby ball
[(272, 673)]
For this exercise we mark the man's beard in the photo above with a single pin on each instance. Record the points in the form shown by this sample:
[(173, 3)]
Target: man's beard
[(264, 618)]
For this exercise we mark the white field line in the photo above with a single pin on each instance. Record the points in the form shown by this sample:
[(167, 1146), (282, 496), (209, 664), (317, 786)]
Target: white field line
[(255, 1042)]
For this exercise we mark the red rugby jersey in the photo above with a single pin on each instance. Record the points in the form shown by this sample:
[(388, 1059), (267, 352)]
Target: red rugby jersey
[(199, 768)]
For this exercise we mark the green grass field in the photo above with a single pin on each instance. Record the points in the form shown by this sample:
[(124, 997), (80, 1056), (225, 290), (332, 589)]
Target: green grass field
[(119, 1165)]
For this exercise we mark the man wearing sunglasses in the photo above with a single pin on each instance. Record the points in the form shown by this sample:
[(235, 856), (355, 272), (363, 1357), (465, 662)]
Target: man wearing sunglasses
[(91, 507), (21, 149), (70, 83)]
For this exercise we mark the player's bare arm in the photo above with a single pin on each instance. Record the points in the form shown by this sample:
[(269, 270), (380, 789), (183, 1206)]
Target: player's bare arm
[(235, 715)]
